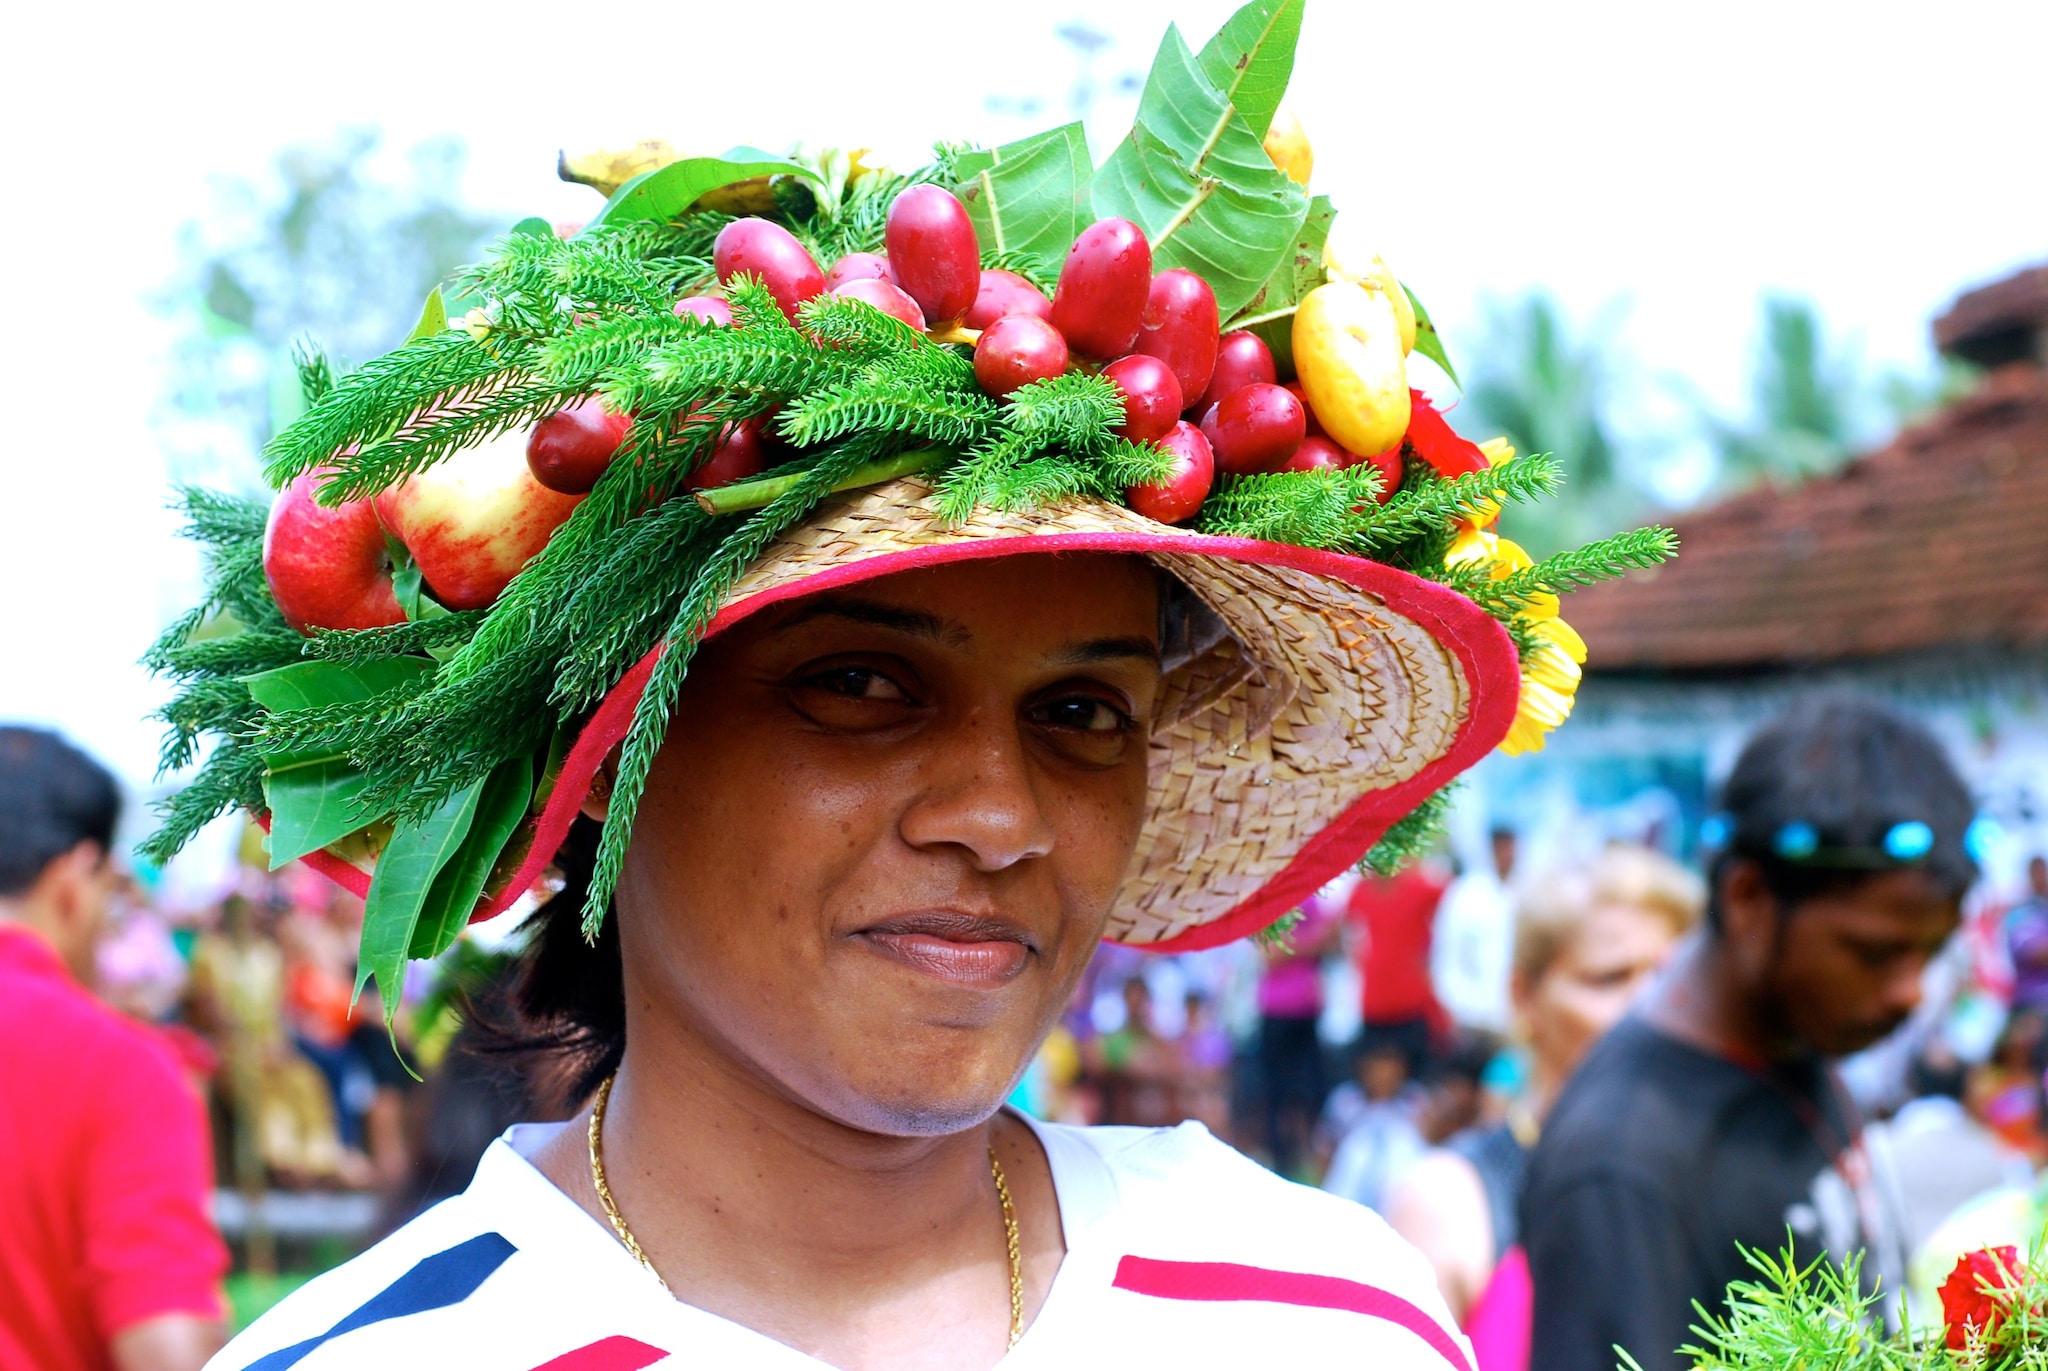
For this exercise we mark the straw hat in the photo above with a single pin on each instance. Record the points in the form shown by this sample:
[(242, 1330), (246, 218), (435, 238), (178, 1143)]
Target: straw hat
[(1344, 693)]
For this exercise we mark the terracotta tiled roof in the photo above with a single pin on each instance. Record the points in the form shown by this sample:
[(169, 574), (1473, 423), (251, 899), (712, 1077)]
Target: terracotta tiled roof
[(1998, 323), (1938, 540)]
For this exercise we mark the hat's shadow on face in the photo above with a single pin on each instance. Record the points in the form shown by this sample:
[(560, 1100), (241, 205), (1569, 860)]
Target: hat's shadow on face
[(885, 832)]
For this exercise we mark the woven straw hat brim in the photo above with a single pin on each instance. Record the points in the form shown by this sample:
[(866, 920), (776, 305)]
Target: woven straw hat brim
[(1348, 693)]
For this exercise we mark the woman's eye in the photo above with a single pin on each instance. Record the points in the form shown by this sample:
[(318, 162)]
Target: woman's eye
[(1084, 714), (857, 683)]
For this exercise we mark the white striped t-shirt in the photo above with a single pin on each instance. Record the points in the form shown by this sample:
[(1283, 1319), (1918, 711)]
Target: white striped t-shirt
[(1180, 1252)]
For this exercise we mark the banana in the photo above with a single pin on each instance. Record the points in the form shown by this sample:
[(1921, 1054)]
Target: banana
[(605, 170)]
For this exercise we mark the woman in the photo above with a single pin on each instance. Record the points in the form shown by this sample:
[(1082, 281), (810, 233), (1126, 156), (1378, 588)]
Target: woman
[(1588, 938), (869, 751)]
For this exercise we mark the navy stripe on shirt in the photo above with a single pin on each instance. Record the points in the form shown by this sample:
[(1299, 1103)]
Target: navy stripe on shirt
[(434, 1282)]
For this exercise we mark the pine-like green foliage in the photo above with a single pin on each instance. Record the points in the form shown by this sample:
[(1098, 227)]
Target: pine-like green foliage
[(1567, 571), (1410, 836), (1313, 508), (851, 393)]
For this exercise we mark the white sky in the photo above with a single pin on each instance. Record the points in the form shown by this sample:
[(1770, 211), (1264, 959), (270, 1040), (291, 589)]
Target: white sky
[(1876, 157)]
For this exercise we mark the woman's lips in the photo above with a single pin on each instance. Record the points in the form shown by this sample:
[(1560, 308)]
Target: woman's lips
[(963, 949)]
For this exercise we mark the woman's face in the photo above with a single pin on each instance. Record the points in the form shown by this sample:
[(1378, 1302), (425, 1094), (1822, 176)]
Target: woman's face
[(886, 829), (1593, 981)]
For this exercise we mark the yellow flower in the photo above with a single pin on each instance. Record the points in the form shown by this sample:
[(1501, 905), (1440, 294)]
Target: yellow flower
[(1550, 685)]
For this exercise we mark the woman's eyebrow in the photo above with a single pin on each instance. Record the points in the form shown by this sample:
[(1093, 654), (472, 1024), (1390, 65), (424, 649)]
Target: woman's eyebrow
[(1107, 650), (917, 623)]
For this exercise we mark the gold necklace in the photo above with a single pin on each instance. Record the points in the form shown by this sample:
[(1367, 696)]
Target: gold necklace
[(625, 1235)]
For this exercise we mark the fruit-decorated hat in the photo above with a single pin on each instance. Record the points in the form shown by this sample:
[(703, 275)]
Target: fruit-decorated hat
[(750, 377)]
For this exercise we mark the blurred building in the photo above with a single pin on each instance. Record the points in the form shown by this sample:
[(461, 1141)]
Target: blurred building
[(1917, 573)]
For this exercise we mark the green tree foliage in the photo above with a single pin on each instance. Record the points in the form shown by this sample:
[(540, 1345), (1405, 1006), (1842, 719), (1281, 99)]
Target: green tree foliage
[(1545, 387), (1808, 398), (333, 242)]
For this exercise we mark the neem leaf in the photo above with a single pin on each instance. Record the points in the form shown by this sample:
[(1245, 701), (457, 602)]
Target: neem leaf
[(500, 809), (1428, 341), (1270, 313), (406, 869), (668, 191), (1251, 57), (1028, 196), (433, 316), (1193, 175)]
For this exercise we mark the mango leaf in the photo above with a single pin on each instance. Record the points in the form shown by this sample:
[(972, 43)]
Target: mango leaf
[(668, 191), (500, 809), (309, 685), (1028, 196), (1270, 313), (1193, 175), (532, 226), (312, 798), (1428, 341), (406, 869), (1251, 57), (433, 317), (311, 804)]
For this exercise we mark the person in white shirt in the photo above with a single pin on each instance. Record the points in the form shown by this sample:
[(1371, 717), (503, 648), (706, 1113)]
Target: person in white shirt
[(1471, 949)]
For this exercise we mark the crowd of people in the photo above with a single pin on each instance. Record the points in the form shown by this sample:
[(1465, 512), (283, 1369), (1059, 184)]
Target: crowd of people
[(1574, 1085)]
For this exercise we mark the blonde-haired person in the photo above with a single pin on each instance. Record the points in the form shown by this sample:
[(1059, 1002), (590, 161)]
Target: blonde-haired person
[(1588, 937)]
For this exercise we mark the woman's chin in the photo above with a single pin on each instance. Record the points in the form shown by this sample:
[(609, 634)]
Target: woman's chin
[(909, 1105)]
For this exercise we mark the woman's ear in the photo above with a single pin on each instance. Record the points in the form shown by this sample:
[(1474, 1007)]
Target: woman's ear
[(597, 804)]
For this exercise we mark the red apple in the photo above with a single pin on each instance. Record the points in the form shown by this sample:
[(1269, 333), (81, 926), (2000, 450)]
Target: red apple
[(327, 568), (473, 520)]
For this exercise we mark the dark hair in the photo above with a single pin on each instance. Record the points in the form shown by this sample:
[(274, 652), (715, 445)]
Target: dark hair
[(567, 1025), (52, 798), (1842, 775)]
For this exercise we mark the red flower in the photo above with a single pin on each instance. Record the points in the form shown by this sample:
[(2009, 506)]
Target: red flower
[(1970, 1296), (1436, 444)]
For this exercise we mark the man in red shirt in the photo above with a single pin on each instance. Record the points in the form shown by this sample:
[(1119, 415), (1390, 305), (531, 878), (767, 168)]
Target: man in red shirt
[(108, 1259), (1391, 919)]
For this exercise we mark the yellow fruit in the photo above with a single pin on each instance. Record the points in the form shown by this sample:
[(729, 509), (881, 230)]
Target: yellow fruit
[(1287, 145), (609, 168), (1346, 262), (1348, 356)]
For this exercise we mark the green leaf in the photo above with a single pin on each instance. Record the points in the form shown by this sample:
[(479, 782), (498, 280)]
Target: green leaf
[(666, 192), (1251, 57), (1028, 196), (500, 809), (1270, 313), (433, 316), (407, 583), (1193, 175), (1429, 342), (312, 799), (406, 870), (309, 685), (311, 805), (532, 226)]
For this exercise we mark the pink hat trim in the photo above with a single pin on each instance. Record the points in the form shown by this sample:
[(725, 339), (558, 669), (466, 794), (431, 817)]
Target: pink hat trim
[(1484, 651)]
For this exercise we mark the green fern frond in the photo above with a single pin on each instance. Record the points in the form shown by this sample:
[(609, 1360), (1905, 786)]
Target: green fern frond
[(353, 647), (1564, 572), (1432, 507), (1411, 836), (1308, 508), (232, 778), (649, 729), (374, 400)]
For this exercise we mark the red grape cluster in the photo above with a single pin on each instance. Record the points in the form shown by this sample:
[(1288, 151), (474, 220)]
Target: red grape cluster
[(1213, 402)]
